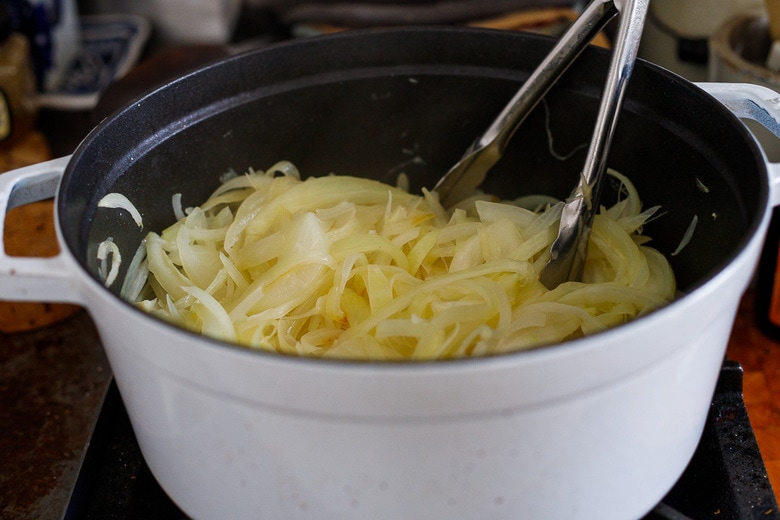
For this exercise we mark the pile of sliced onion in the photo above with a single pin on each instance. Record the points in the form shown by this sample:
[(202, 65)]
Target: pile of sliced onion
[(346, 267)]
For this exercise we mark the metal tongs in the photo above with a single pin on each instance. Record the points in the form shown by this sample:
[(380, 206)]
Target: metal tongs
[(569, 250)]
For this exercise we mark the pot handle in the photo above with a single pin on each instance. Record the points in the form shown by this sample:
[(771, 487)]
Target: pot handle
[(755, 102), (32, 278)]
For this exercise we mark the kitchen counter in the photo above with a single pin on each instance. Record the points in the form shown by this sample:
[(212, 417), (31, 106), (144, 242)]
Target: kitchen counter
[(52, 385)]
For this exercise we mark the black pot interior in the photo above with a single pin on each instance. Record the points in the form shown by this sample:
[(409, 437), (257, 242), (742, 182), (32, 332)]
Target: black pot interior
[(411, 100)]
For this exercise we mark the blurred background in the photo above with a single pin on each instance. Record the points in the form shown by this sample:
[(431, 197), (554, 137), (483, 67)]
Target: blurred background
[(76, 49)]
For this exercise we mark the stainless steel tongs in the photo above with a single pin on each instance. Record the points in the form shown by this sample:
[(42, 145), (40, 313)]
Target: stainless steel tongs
[(569, 250)]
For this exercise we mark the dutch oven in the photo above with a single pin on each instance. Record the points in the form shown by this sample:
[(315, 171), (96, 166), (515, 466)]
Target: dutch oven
[(599, 427)]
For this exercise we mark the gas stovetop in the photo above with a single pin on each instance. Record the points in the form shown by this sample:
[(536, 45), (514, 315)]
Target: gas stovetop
[(725, 480)]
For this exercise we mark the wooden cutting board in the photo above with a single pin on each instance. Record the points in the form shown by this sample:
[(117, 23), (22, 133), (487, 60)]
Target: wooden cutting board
[(29, 231)]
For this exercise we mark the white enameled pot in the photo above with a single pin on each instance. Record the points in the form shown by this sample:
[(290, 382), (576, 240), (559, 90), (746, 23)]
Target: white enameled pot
[(551, 433)]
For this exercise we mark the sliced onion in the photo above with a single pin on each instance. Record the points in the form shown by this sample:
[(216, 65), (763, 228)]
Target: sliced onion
[(349, 267), (106, 249), (119, 201)]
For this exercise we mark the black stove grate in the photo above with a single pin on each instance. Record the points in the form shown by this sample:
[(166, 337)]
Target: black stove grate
[(725, 480)]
